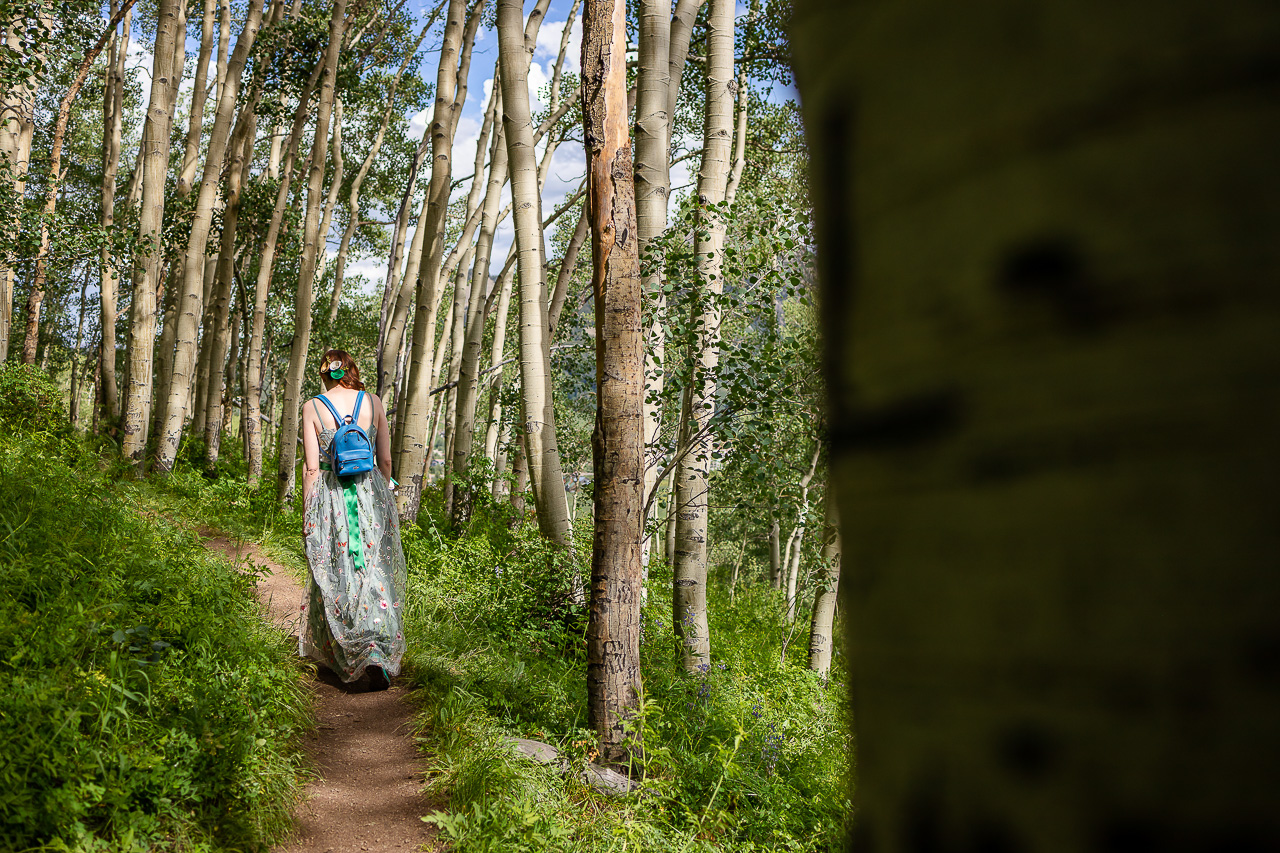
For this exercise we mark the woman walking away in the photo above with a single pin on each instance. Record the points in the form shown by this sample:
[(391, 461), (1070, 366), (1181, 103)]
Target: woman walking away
[(351, 530)]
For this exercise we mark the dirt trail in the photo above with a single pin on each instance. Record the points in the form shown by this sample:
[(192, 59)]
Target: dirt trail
[(367, 796)]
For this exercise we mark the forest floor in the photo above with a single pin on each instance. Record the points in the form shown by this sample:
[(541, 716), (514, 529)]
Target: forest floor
[(367, 794)]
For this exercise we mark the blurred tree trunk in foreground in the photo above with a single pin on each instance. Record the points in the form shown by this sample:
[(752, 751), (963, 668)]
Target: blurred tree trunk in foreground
[(1047, 245)]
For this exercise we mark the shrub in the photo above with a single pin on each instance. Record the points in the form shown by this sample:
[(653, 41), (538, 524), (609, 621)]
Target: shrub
[(146, 704)]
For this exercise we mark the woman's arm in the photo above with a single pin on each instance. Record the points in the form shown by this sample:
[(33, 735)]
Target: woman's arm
[(310, 451), (384, 439)]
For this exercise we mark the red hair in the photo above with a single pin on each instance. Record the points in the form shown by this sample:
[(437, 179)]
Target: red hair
[(351, 373)]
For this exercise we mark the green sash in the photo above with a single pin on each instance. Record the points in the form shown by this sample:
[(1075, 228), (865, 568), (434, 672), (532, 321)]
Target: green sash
[(355, 543)]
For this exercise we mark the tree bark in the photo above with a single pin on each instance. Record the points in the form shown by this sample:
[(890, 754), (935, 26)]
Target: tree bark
[(663, 44), (1051, 349), (112, 123), (307, 265), (455, 52), (155, 161), (543, 455), (614, 690), (73, 408), (335, 183), (190, 301), (775, 551), (824, 599), (496, 357)]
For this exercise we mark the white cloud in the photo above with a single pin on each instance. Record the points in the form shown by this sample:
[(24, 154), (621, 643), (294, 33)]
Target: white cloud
[(538, 80), (418, 123), (548, 44)]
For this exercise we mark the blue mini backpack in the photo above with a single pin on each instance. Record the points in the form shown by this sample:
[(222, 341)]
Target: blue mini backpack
[(352, 451)]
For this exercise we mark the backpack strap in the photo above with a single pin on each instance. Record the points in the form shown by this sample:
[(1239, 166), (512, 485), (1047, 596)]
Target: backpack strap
[(337, 419), (355, 415)]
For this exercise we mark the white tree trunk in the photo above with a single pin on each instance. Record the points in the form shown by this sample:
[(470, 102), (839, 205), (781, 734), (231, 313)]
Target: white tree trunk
[(258, 353), (311, 244), (455, 53), (543, 457), (825, 597), (112, 125), (155, 162), (689, 597), (190, 307)]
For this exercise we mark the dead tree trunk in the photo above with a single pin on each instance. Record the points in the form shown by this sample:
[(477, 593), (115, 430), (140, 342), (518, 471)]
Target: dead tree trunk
[(617, 443)]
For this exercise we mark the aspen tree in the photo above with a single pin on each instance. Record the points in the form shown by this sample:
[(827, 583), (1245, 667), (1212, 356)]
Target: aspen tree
[(154, 155), (15, 147), (796, 545), (353, 204), (466, 291), (538, 414), (469, 356), (828, 585), (663, 45), (112, 125), (311, 240), (1051, 349), (455, 59), (689, 591), (189, 303), (224, 274), (259, 353), (617, 443), (182, 190), (36, 296), (398, 317), (496, 353), (469, 375), (392, 283), (335, 183), (199, 95)]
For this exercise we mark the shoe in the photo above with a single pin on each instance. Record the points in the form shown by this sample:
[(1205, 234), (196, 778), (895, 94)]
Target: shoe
[(378, 679)]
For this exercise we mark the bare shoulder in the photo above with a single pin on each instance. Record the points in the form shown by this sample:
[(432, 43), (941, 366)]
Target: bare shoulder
[(376, 400)]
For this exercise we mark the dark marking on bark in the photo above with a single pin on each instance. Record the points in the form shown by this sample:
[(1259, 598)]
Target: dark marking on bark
[(1053, 269), (834, 193), (904, 424), (1028, 751)]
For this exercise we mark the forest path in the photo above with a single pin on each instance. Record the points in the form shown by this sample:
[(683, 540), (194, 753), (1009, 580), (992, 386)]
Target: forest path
[(367, 795)]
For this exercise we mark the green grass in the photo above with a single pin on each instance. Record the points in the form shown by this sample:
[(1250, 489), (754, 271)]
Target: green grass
[(146, 705)]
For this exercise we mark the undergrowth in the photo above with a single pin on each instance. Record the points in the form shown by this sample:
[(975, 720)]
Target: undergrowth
[(146, 705), (747, 756)]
